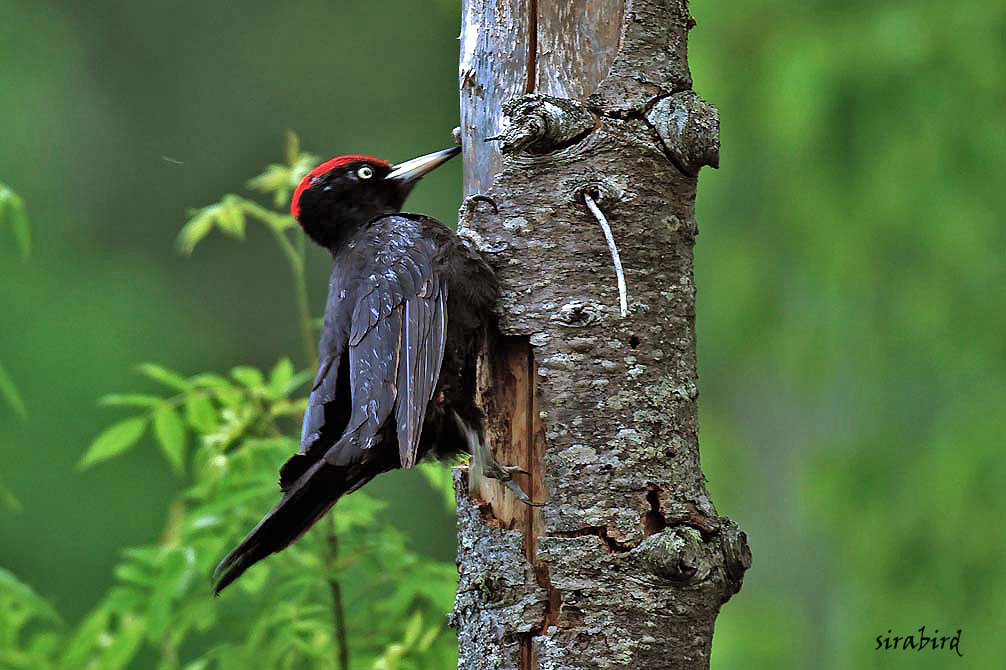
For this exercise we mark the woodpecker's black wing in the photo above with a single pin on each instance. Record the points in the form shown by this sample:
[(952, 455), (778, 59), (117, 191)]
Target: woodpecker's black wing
[(397, 341), (383, 350), (385, 362)]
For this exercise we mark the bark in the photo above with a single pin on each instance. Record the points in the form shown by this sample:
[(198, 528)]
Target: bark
[(628, 563)]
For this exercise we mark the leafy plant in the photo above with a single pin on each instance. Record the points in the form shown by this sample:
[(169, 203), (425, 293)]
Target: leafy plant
[(231, 214), (350, 594)]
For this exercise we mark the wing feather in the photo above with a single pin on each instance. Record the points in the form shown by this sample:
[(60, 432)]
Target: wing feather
[(424, 338), (397, 345)]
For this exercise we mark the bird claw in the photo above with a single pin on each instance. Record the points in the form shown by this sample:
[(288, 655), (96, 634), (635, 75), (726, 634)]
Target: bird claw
[(521, 496), (484, 464), (504, 475)]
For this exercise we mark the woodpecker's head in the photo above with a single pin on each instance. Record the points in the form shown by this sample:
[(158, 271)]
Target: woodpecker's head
[(344, 193)]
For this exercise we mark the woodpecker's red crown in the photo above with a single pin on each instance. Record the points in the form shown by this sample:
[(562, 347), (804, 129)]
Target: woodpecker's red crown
[(323, 169)]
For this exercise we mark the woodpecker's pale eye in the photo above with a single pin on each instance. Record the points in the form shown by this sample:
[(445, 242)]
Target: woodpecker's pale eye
[(366, 172)]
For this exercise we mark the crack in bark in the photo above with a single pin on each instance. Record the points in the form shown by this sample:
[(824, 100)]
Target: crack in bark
[(532, 46), (527, 657), (640, 115), (653, 521), (693, 518), (660, 140), (613, 546), (554, 603)]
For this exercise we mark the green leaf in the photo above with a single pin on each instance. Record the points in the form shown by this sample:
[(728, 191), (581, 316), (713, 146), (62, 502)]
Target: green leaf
[(170, 433), (161, 374), (130, 400), (297, 381), (198, 227), (275, 180), (280, 377), (305, 163), (413, 630), (230, 396), (209, 380), (10, 393), (389, 660), (428, 638), (133, 574), (145, 555), (253, 580), (114, 440), (281, 180), (87, 637), (11, 585), (125, 598), (175, 574), (250, 377), (125, 642), (200, 412), (360, 511), (292, 147), (230, 217)]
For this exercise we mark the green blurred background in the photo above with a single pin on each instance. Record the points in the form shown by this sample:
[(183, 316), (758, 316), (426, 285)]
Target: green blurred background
[(850, 271)]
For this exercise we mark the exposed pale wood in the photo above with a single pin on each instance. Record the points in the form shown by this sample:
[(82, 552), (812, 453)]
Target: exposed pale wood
[(492, 69), (506, 392), (577, 42)]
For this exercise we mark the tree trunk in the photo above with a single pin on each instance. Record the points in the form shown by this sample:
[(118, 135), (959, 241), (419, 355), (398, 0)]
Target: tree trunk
[(627, 564)]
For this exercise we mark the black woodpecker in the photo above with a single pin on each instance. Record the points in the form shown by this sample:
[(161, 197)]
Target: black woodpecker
[(408, 302)]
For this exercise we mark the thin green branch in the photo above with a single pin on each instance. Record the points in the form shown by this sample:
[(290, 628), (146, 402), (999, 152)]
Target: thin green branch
[(331, 563), (296, 256)]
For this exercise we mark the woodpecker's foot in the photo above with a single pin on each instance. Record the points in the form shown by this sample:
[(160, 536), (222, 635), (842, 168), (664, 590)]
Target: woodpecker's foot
[(484, 464), (504, 475)]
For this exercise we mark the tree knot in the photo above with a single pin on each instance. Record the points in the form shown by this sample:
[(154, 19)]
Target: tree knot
[(676, 553), (689, 128), (541, 124)]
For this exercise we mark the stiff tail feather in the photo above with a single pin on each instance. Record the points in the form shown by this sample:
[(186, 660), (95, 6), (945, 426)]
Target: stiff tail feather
[(304, 502)]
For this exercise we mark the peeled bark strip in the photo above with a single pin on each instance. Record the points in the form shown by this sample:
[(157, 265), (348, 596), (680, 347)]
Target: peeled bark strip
[(628, 563)]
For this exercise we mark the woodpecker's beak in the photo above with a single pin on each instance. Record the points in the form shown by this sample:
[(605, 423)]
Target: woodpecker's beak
[(410, 171)]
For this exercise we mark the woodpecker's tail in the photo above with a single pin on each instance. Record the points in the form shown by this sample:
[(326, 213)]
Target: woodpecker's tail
[(304, 502)]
